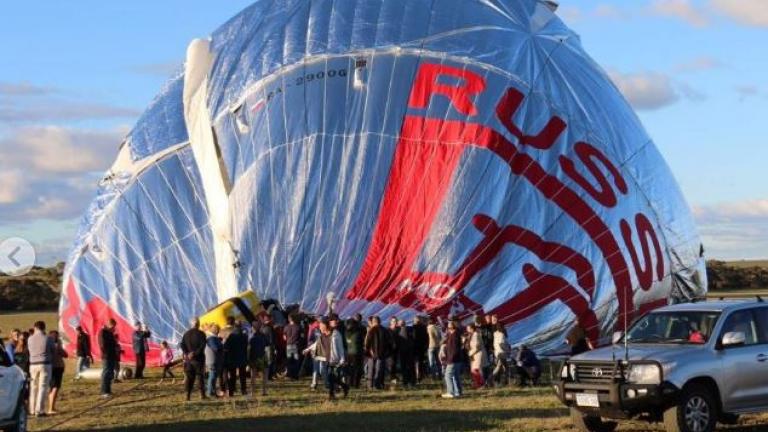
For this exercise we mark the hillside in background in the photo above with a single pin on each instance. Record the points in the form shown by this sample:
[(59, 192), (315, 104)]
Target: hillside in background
[(39, 290), (36, 291)]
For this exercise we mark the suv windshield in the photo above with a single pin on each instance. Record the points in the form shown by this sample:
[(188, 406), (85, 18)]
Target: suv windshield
[(689, 327)]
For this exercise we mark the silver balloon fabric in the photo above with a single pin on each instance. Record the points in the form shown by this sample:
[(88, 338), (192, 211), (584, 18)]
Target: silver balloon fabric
[(411, 157)]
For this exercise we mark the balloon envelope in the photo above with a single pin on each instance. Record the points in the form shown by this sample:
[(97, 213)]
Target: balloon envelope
[(447, 157)]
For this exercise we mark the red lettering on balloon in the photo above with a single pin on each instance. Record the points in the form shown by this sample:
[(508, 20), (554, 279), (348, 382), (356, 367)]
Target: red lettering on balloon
[(506, 109), (427, 85), (604, 193), (645, 231)]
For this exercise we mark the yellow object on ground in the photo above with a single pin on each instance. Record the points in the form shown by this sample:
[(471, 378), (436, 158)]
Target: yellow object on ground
[(245, 307)]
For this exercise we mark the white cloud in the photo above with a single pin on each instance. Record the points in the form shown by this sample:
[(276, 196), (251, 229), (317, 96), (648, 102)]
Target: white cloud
[(740, 211), (54, 149), (646, 90), (52, 172), (62, 110), (748, 12), (11, 185), (570, 14), (681, 9), (698, 64), (746, 91), (166, 69), (611, 11), (22, 89), (735, 230)]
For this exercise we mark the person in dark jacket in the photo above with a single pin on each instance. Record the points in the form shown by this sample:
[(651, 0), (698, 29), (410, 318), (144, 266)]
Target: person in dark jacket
[(141, 336), (393, 356), (406, 357), (376, 348), (354, 339), (193, 348), (292, 336), (109, 349), (236, 359), (452, 359), (528, 366), (83, 351), (420, 347), (268, 330), (257, 347)]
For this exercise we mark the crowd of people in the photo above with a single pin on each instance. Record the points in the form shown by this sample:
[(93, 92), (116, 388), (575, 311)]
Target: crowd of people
[(352, 353), (40, 355), (244, 357)]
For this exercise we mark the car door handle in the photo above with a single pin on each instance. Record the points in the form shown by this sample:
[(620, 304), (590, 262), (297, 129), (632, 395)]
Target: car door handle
[(762, 357)]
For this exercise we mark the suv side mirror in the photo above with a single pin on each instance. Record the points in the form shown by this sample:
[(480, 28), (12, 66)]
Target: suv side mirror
[(617, 337), (733, 339)]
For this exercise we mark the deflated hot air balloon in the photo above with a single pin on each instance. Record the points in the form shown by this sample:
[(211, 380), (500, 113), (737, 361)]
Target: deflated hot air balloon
[(411, 157)]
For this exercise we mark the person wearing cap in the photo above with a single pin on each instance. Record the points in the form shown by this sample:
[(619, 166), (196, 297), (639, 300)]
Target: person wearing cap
[(83, 352), (141, 336)]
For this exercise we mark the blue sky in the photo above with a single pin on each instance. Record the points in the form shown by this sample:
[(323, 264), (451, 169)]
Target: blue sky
[(75, 75)]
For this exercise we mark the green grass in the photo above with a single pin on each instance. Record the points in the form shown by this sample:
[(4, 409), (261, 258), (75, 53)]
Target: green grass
[(292, 406), (24, 320)]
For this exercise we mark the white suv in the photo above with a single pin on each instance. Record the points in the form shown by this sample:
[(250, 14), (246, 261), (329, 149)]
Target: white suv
[(13, 391)]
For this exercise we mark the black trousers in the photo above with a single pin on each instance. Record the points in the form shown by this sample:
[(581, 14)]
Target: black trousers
[(141, 363), (194, 371), (167, 372), (233, 373), (107, 375)]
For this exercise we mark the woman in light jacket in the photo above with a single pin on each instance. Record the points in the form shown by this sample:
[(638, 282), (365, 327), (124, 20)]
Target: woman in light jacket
[(478, 357), (501, 354)]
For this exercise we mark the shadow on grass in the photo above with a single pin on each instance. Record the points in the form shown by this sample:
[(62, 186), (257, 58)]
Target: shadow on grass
[(417, 420)]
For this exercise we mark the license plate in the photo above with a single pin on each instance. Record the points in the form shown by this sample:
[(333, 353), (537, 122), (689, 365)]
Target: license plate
[(587, 400)]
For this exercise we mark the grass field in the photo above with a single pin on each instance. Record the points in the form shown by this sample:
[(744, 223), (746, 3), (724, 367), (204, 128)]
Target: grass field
[(24, 320), (291, 406), (146, 406), (748, 263)]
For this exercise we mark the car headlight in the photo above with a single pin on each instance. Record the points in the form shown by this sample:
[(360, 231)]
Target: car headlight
[(564, 371), (572, 371), (644, 374)]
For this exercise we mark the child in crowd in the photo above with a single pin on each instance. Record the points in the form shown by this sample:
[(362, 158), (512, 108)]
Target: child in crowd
[(166, 359)]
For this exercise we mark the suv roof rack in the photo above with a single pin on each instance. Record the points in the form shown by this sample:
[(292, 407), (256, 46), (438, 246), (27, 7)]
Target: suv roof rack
[(733, 296)]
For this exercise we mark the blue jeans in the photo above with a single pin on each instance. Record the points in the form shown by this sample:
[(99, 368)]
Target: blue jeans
[(210, 388), (434, 363), (453, 379)]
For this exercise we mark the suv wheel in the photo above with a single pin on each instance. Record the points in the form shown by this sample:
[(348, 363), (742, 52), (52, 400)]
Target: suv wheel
[(588, 423), (20, 418), (696, 411)]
